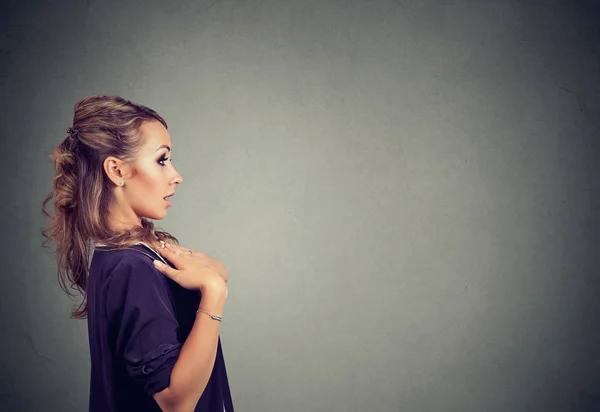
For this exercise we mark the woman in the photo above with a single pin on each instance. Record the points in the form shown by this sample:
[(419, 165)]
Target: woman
[(153, 307)]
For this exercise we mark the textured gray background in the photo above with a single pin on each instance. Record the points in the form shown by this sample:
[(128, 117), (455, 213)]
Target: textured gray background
[(405, 194)]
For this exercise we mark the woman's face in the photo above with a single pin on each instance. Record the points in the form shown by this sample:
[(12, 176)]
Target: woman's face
[(147, 180)]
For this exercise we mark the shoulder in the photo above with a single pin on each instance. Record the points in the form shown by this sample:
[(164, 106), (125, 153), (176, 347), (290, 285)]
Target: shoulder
[(133, 285), (135, 253), (129, 264)]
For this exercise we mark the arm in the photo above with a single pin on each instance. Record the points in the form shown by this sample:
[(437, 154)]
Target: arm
[(140, 308), (194, 366)]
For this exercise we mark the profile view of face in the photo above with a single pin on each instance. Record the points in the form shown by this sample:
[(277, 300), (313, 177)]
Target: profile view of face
[(150, 178)]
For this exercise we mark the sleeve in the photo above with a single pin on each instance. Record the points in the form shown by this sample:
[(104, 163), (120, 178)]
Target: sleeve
[(141, 312)]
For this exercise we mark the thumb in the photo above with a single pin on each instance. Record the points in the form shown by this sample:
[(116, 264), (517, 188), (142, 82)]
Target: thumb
[(164, 269)]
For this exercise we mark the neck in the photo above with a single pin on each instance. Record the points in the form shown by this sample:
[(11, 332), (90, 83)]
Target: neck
[(122, 218)]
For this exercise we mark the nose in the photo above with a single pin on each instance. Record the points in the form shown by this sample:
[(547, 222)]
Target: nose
[(178, 179)]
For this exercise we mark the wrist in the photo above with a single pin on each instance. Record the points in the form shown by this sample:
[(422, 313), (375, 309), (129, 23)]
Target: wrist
[(214, 293), (214, 285), (211, 304), (211, 315)]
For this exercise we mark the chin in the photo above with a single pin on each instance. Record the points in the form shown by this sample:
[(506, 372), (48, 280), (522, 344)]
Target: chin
[(156, 216), (161, 216)]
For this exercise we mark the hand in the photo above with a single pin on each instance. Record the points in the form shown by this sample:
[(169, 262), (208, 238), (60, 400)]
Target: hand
[(215, 264), (191, 272)]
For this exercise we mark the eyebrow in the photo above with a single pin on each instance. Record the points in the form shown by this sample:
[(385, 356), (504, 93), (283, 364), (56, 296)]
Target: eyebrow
[(164, 145)]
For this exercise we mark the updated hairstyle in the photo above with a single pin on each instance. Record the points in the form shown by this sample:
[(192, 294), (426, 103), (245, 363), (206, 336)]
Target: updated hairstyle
[(102, 126)]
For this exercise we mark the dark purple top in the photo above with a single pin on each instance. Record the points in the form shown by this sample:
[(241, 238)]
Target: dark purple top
[(138, 319)]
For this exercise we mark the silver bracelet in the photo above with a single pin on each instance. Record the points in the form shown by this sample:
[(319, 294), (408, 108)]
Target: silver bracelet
[(215, 317)]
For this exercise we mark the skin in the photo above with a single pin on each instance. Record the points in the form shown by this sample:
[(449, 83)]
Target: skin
[(207, 260), (146, 181)]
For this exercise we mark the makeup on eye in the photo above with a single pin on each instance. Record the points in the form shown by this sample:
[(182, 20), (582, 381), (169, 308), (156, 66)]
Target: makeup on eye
[(162, 159)]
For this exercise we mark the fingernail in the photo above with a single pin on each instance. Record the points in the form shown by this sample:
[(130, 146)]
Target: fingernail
[(157, 263)]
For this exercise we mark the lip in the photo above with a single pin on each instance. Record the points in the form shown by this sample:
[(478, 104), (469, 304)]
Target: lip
[(169, 204)]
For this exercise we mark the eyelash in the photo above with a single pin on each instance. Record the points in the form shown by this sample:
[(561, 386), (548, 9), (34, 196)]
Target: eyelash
[(163, 159)]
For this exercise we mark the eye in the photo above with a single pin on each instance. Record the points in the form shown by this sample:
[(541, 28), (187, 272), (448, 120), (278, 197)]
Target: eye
[(162, 160)]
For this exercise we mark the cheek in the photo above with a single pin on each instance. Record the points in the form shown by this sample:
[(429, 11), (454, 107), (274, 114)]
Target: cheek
[(147, 185), (147, 199), (150, 184)]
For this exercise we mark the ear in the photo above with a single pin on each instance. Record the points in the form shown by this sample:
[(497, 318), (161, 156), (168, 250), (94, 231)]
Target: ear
[(115, 169)]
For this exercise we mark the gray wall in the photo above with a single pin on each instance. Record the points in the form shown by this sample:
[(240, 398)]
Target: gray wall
[(404, 192)]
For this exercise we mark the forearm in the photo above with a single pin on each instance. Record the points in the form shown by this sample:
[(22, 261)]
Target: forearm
[(196, 360)]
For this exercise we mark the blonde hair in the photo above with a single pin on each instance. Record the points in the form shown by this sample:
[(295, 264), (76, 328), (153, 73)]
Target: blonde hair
[(102, 126)]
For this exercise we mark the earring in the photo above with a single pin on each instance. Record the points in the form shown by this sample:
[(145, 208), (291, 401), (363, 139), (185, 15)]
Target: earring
[(121, 182)]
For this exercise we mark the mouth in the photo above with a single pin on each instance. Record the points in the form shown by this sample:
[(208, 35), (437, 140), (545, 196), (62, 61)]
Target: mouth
[(167, 196)]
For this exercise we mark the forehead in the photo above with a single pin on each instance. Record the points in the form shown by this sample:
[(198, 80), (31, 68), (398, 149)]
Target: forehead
[(155, 135)]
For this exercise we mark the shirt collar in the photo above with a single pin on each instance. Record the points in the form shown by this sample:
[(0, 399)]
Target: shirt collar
[(136, 243)]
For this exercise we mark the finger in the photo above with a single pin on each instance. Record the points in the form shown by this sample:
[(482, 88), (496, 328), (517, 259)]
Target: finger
[(171, 251), (173, 247), (168, 245), (173, 256), (166, 269), (181, 249)]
